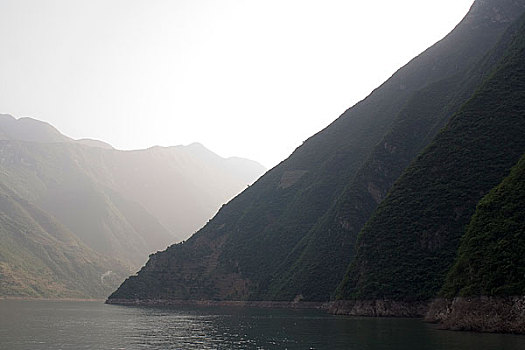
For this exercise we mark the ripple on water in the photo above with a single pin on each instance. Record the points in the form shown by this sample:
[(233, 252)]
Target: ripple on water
[(92, 325)]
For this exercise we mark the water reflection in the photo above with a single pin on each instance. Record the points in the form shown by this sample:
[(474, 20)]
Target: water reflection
[(93, 325)]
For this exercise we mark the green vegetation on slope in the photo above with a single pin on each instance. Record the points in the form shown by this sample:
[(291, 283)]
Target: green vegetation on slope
[(326, 251), (257, 238), (406, 248), (491, 256)]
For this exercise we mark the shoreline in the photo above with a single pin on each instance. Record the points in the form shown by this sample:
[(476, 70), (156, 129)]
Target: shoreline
[(235, 303), (49, 299), (483, 314), (475, 314), (380, 308)]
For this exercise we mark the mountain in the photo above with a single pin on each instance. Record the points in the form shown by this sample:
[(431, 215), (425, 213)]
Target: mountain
[(485, 288), (182, 186), (409, 244), (490, 258), (56, 178), (94, 143), (290, 235), (118, 206), (414, 127), (39, 257), (29, 129)]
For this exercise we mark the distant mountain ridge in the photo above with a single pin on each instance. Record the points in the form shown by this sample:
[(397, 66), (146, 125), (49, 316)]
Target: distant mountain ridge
[(29, 129), (119, 206)]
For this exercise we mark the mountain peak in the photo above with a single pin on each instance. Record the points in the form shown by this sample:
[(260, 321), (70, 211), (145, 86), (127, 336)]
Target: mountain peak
[(29, 129)]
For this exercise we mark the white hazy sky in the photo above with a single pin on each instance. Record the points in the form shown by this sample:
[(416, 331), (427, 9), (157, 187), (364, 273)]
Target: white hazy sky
[(244, 77)]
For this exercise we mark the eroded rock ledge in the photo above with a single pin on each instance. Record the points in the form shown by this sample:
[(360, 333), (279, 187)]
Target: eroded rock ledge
[(480, 314), (263, 304), (379, 308)]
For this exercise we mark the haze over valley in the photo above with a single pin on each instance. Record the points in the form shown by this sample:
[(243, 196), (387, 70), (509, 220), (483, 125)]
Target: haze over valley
[(374, 228), (115, 207)]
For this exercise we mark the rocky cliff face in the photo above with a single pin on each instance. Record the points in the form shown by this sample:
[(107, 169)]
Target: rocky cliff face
[(379, 308), (479, 314)]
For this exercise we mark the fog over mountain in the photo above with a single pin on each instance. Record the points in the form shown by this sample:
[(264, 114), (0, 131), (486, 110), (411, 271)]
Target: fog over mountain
[(121, 205)]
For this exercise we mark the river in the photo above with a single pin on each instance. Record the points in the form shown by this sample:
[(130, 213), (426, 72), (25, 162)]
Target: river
[(37, 324)]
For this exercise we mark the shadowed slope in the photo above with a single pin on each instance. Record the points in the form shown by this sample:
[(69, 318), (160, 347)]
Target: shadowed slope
[(406, 248), (257, 237)]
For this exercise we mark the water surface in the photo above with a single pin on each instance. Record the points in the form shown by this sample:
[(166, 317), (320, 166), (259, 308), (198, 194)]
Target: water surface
[(26, 324)]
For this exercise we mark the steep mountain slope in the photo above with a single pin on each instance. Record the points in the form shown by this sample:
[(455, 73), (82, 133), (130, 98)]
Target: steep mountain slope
[(490, 264), (327, 249), (406, 248), (255, 239), (39, 257)]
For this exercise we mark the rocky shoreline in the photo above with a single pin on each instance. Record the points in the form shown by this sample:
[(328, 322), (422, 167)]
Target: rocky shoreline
[(379, 308), (25, 298), (479, 314), (261, 304)]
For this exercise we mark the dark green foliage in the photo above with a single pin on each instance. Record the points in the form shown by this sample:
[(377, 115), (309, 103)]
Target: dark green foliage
[(491, 257), (327, 249), (407, 247), (272, 242), (318, 262)]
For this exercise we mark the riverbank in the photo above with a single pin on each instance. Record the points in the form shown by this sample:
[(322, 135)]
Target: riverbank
[(45, 325), (483, 314), (260, 304), (479, 314), (379, 308), (48, 299)]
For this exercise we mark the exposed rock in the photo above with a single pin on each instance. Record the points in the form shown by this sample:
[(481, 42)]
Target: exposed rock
[(379, 308), (261, 304), (289, 178), (480, 314)]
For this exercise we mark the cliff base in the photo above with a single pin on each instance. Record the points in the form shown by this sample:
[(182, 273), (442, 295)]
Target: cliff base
[(480, 314), (379, 308), (261, 304)]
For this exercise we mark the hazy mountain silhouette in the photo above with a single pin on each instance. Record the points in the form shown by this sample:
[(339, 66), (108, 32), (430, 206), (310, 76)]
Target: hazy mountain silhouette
[(117, 204)]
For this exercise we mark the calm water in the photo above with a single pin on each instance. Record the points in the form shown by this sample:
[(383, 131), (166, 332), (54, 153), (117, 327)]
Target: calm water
[(93, 325)]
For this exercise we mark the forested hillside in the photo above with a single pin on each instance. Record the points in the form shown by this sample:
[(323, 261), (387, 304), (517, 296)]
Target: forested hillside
[(290, 236), (485, 289), (406, 249), (491, 256)]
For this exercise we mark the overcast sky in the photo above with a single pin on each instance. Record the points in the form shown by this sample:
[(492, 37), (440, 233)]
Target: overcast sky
[(244, 77)]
